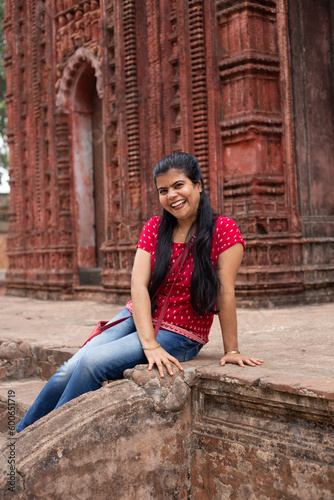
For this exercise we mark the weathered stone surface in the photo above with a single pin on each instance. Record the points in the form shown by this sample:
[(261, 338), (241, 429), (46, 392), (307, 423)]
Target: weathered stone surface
[(16, 360), (20, 410), (19, 359), (105, 444), (170, 393), (261, 440), (14, 349), (49, 360), (229, 433), (288, 383)]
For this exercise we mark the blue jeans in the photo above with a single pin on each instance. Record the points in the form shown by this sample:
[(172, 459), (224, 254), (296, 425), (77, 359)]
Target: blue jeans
[(105, 357)]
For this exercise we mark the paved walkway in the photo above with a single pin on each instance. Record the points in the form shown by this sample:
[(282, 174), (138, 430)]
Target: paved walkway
[(296, 340)]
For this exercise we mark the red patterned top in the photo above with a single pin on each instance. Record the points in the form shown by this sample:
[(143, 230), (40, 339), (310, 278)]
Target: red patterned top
[(180, 317)]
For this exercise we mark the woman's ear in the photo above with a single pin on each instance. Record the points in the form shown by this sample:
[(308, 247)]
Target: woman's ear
[(200, 186)]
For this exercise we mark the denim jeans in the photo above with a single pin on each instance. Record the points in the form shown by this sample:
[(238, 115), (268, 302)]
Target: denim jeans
[(105, 357)]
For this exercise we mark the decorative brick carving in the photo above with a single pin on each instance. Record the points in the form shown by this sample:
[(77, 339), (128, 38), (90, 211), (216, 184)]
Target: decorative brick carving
[(199, 87), (131, 94), (213, 78), (74, 62)]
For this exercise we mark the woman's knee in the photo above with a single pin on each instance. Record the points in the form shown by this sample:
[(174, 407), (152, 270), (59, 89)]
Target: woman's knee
[(66, 369), (88, 362)]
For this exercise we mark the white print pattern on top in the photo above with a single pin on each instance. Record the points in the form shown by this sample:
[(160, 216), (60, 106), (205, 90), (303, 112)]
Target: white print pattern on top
[(180, 314)]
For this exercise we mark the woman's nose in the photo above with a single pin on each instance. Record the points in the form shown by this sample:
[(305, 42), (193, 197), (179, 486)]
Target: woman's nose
[(171, 194)]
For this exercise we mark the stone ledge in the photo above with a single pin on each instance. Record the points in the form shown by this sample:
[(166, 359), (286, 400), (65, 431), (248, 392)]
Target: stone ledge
[(295, 384), (192, 435), (263, 433), (20, 360)]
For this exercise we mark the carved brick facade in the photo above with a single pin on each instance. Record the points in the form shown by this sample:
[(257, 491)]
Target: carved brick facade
[(98, 91)]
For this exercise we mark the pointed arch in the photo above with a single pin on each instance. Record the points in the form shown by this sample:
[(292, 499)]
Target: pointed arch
[(64, 85), (79, 96)]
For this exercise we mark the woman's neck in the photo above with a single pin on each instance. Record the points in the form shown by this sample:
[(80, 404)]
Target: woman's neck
[(181, 232)]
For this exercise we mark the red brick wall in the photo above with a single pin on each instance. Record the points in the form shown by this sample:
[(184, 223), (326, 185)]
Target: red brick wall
[(213, 78)]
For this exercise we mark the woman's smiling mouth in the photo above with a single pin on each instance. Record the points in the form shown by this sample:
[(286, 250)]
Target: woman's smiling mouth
[(178, 204)]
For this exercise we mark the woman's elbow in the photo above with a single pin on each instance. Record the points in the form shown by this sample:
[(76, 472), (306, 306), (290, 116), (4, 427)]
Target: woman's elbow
[(138, 288), (227, 292)]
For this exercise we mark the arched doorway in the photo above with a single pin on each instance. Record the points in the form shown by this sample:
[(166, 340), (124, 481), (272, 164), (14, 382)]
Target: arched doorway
[(87, 141)]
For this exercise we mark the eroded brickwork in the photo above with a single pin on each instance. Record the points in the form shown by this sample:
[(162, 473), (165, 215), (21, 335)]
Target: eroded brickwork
[(97, 92), (205, 434)]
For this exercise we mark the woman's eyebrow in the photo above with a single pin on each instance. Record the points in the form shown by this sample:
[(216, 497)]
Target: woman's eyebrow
[(176, 182)]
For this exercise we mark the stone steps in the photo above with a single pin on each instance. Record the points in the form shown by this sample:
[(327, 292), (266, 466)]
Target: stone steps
[(24, 370), (23, 392)]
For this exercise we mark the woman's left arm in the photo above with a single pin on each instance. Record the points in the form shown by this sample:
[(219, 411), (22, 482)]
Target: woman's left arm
[(228, 265)]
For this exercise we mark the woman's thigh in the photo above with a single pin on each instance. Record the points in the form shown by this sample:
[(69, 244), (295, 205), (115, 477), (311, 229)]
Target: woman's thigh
[(114, 332), (112, 358), (182, 348), (108, 336)]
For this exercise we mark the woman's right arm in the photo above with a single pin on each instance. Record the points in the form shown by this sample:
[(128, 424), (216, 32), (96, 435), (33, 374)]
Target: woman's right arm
[(141, 303), (141, 309)]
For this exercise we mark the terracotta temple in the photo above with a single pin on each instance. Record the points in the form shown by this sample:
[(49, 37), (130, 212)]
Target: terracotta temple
[(99, 91)]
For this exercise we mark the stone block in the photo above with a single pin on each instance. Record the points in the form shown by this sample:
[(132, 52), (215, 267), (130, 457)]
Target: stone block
[(16, 360), (105, 444), (261, 435), (49, 360), (209, 433), (167, 394)]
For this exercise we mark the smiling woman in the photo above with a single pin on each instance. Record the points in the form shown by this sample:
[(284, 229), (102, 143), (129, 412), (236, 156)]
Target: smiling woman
[(183, 273), (180, 197)]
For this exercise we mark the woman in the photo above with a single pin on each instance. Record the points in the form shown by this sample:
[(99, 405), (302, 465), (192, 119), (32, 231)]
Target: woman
[(186, 261)]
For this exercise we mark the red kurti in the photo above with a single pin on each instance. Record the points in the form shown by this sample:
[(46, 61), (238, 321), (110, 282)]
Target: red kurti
[(180, 317)]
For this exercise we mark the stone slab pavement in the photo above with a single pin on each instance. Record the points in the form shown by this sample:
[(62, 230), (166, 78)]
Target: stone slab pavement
[(292, 341)]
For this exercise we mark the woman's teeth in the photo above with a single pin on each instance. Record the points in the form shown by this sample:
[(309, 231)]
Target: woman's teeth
[(177, 204)]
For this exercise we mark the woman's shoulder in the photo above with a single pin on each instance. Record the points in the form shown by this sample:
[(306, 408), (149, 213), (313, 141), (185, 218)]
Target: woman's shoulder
[(152, 225), (223, 221), (148, 235), (156, 218), (153, 222), (226, 227), (226, 234)]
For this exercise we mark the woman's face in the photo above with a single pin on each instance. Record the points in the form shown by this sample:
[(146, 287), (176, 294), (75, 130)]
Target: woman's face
[(178, 195)]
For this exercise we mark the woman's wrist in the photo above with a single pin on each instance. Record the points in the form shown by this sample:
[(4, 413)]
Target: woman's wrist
[(233, 351), (149, 348)]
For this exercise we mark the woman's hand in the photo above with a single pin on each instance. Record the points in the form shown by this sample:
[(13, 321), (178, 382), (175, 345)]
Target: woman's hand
[(240, 359), (161, 357)]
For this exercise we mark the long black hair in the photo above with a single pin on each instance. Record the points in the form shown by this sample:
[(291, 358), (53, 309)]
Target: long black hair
[(205, 283)]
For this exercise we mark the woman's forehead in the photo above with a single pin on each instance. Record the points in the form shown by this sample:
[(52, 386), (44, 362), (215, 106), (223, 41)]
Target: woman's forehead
[(170, 177)]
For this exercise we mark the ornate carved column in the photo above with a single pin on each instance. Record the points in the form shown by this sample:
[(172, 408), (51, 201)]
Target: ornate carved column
[(255, 185), (122, 145)]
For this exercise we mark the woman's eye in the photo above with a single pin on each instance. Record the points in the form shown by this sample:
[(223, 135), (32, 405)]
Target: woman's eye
[(162, 191), (178, 186)]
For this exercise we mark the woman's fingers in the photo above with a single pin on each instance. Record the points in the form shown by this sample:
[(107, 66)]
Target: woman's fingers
[(240, 359), (176, 362), (160, 357)]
